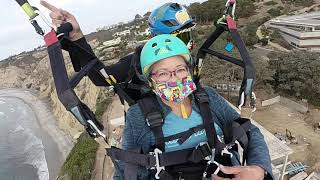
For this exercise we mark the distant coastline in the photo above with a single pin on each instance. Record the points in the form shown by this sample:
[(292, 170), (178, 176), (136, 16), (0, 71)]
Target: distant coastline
[(47, 122)]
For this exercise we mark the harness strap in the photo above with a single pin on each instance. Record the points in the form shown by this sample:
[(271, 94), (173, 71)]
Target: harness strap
[(65, 90), (165, 158), (236, 129), (249, 70), (131, 170), (154, 118), (165, 175), (183, 136), (85, 70), (202, 100), (131, 86)]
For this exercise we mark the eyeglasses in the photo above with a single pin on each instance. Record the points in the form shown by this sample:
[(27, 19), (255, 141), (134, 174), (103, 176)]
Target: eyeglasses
[(164, 75)]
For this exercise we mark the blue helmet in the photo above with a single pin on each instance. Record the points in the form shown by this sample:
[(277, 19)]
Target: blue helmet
[(169, 18)]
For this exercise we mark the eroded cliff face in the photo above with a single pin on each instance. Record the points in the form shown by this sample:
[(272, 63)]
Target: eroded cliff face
[(32, 71)]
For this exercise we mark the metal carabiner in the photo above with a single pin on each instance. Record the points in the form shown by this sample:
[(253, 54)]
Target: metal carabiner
[(33, 12), (157, 166), (94, 126), (232, 4), (252, 103)]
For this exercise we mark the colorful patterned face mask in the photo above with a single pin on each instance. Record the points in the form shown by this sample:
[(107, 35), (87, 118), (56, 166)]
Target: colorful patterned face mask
[(175, 91)]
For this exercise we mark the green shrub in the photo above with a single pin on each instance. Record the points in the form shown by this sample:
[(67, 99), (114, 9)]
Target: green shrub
[(80, 162), (297, 74), (304, 3), (270, 3), (274, 12), (102, 103)]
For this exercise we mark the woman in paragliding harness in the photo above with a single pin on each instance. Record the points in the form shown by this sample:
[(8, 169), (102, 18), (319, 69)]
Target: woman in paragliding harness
[(166, 64)]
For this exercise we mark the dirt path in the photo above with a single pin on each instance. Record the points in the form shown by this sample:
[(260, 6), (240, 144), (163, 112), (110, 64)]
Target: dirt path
[(113, 120), (278, 118)]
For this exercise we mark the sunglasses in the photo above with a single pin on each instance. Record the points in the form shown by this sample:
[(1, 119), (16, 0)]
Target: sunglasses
[(184, 36)]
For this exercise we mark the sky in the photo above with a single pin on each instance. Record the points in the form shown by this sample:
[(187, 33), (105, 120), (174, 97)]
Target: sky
[(17, 34)]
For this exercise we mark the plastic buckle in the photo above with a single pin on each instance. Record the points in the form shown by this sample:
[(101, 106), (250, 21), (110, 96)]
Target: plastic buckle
[(157, 166), (204, 146), (208, 170), (211, 162), (154, 119), (202, 97), (226, 152)]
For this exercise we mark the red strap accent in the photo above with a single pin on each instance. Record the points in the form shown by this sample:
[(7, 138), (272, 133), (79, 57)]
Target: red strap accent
[(50, 38), (231, 23), (232, 1)]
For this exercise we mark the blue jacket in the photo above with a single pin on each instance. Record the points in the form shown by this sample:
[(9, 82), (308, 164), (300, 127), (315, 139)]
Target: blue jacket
[(137, 134)]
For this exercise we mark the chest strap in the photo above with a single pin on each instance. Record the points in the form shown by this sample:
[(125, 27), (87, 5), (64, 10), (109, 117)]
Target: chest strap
[(154, 118)]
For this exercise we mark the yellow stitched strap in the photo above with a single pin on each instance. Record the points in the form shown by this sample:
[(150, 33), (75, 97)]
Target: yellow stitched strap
[(109, 81), (113, 79), (29, 10), (184, 111), (109, 78)]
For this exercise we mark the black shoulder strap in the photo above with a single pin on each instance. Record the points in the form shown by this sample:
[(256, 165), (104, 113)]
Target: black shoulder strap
[(202, 101), (135, 64), (154, 118), (65, 88)]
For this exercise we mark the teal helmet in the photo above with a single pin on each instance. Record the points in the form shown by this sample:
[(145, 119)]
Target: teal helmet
[(161, 47)]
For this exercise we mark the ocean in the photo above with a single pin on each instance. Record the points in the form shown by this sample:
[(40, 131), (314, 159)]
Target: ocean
[(26, 151)]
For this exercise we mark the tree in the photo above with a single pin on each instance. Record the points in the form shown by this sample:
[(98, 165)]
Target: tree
[(297, 74), (212, 10), (146, 15), (137, 17), (274, 12), (245, 8), (305, 3)]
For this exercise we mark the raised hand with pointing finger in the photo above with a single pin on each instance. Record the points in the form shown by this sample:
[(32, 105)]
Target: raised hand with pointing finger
[(60, 16)]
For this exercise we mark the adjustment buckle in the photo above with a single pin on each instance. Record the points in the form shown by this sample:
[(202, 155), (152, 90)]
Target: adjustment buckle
[(154, 119), (157, 166), (212, 165), (226, 152), (212, 168), (204, 148), (202, 97)]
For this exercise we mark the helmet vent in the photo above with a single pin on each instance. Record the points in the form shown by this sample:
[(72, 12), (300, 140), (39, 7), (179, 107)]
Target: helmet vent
[(175, 6), (167, 41), (154, 45), (170, 22)]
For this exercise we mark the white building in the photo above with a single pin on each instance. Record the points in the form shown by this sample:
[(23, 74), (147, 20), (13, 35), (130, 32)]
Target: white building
[(146, 32), (113, 42), (300, 31), (122, 33), (106, 27)]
